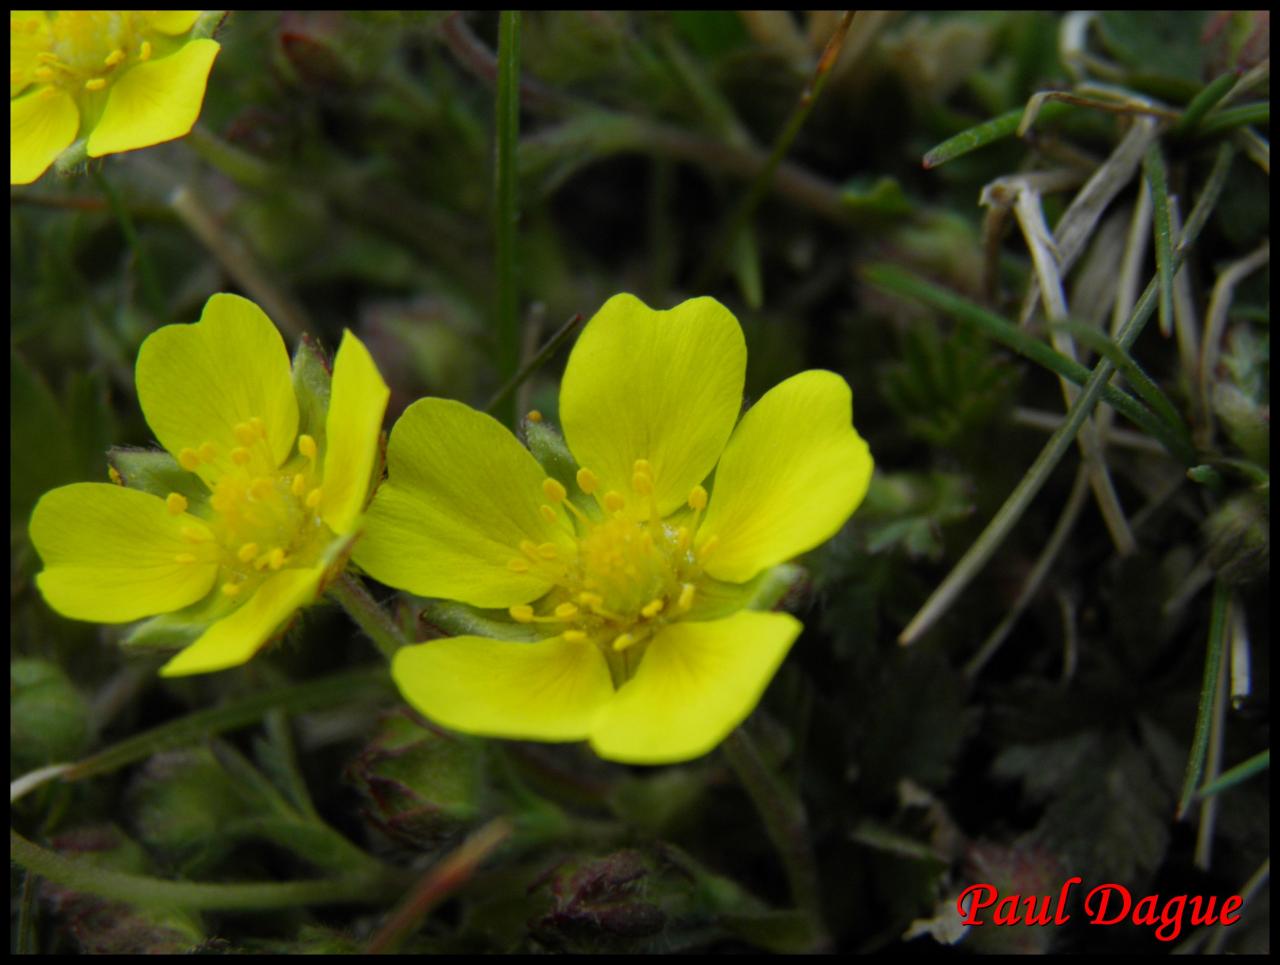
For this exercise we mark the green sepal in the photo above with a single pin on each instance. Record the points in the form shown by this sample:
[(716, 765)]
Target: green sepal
[(155, 471), (459, 619), (312, 378), (181, 628), (548, 447)]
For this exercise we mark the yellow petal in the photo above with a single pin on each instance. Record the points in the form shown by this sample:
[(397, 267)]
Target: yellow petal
[(111, 554), (461, 495), (357, 402), (154, 102), (28, 37), (695, 684), (171, 22), (235, 638), (662, 386), (791, 475), (196, 383), (550, 691), (41, 125)]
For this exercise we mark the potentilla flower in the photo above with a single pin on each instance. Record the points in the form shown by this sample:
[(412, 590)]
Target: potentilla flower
[(631, 569), (123, 79), (260, 496)]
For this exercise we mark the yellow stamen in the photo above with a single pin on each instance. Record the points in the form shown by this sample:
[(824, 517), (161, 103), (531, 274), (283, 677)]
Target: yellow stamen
[(682, 538), (548, 551), (276, 558), (114, 57), (232, 589), (261, 489), (307, 446), (246, 434), (114, 475), (549, 514), (208, 452), (622, 641), (189, 459), (517, 565), (642, 466), (590, 599), (587, 481), (247, 552), (258, 426), (240, 455), (642, 483), (534, 415), (314, 497), (554, 490), (697, 498), (652, 608), (521, 612), (43, 73), (299, 485), (144, 52), (574, 636), (97, 83), (176, 504), (686, 597), (566, 611), (613, 501), (193, 534)]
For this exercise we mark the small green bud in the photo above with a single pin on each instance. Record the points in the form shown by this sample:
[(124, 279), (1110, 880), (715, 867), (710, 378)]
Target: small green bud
[(48, 719)]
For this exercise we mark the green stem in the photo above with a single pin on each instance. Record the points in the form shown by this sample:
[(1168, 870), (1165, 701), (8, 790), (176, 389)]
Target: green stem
[(237, 164), (326, 692), (784, 820), (84, 876), (1203, 102), (799, 114), (1233, 117), (1212, 667), (549, 349), (354, 597), (146, 270), (507, 178)]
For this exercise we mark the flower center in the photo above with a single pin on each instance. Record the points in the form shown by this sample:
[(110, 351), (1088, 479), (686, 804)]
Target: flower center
[(84, 48), (624, 577), (263, 518)]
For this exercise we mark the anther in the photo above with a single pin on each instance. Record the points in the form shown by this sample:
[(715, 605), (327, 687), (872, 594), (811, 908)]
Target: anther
[(529, 548), (232, 589), (642, 466), (144, 52), (549, 551), (189, 459), (548, 513), (299, 485), (682, 538), (193, 534), (176, 504), (307, 446), (653, 608), (521, 612), (534, 415), (258, 426), (208, 452), (566, 611), (114, 475), (246, 434), (622, 641), (247, 552), (574, 636), (314, 497), (114, 57), (587, 481), (590, 599), (517, 565), (96, 83), (613, 501), (642, 483), (261, 489), (698, 498), (43, 73), (240, 455), (686, 597), (276, 558), (554, 490), (184, 558)]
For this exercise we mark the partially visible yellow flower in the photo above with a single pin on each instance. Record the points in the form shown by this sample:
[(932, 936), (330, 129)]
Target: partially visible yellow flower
[(123, 79), (266, 491), (630, 572)]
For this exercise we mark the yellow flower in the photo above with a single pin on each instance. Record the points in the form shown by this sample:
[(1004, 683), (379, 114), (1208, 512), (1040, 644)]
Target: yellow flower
[(632, 569), (124, 79), (261, 495)]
